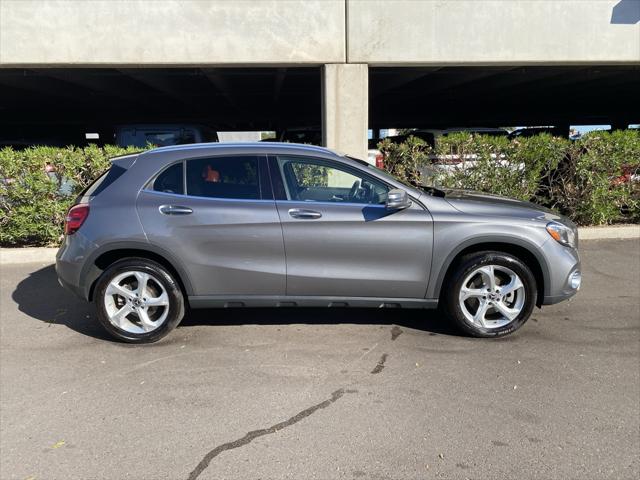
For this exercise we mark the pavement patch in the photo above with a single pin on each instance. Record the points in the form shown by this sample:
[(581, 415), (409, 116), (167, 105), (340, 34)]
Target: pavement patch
[(380, 366), (396, 331)]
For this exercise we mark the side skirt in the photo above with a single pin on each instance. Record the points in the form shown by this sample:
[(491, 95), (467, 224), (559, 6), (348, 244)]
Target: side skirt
[(231, 301)]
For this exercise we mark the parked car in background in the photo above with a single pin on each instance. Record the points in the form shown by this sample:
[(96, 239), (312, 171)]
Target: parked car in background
[(21, 137), (306, 135), (533, 131), (491, 131), (162, 135), (313, 136), (285, 225)]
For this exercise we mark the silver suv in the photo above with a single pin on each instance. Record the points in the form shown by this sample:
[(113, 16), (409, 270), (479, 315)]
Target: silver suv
[(284, 225)]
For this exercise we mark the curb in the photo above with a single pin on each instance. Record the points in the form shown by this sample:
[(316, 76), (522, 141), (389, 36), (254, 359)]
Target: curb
[(16, 256), (609, 232)]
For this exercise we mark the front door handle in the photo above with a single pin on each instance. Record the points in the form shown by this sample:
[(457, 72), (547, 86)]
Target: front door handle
[(305, 214), (174, 210)]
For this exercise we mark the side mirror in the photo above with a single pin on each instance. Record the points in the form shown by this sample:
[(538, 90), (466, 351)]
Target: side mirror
[(397, 199)]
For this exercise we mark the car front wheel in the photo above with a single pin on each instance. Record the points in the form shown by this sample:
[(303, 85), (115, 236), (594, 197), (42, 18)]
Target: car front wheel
[(490, 294), (138, 301)]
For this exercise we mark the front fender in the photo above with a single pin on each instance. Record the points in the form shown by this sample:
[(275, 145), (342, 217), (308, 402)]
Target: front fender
[(448, 255)]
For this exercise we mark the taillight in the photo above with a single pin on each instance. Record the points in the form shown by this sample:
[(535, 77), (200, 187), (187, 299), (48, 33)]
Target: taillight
[(379, 160), (75, 218)]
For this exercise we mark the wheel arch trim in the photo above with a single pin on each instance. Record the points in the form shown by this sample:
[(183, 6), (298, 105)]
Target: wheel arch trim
[(91, 272), (530, 247)]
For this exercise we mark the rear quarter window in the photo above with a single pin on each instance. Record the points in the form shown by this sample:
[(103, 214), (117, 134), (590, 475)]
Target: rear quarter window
[(170, 180), (102, 182)]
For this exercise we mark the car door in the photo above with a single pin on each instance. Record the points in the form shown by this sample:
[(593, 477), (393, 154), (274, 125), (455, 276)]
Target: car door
[(217, 215), (339, 238)]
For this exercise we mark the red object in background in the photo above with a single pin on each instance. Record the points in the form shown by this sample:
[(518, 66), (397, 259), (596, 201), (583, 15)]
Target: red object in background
[(627, 175), (75, 218), (379, 160)]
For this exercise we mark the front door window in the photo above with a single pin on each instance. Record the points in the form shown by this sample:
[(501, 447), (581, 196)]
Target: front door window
[(315, 180)]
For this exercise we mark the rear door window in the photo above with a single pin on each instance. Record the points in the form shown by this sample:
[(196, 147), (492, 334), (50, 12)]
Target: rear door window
[(233, 177)]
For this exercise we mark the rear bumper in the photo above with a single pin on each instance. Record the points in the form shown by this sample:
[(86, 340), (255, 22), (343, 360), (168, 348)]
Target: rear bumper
[(71, 265)]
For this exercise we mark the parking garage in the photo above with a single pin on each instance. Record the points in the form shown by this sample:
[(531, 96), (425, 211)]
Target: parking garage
[(339, 68), (63, 104)]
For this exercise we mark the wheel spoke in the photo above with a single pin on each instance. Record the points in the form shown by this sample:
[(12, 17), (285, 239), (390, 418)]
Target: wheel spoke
[(466, 293), (115, 289), (478, 317), (488, 277), (161, 301), (514, 284), (145, 321), (509, 313), (143, 278), (120, 316)]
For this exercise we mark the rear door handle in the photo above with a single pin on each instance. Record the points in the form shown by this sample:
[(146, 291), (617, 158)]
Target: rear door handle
[(305, 214), (175, 210)]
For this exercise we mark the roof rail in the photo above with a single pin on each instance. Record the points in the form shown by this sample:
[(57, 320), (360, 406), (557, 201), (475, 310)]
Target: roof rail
[(195, 146)]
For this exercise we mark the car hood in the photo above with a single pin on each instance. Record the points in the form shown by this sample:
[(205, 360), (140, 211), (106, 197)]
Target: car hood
[(480, 203)]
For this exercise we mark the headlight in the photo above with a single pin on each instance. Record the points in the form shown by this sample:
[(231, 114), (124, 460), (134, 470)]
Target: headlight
[(562, 234)]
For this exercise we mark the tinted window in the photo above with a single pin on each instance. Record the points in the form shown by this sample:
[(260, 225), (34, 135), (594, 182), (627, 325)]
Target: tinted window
[(170, 138), (311, 180), (170, 181), (224, 177), (102, 182)]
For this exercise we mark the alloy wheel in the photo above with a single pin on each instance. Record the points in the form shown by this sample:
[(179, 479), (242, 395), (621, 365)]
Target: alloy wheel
[(136, 302), (492, 296)]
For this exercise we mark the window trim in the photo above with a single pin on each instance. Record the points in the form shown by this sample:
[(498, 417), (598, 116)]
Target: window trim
[(215, 199)]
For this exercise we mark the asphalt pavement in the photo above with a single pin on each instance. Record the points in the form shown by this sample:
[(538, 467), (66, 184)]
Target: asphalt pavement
[(326, 394)]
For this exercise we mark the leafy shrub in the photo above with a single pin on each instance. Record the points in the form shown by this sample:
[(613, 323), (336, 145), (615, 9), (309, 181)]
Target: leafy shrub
[(595, 184), (38, 185), (407, 161), (590, 180), (498, 165)]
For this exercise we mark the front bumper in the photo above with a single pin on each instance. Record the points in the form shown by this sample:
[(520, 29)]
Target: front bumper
[(565, 273)]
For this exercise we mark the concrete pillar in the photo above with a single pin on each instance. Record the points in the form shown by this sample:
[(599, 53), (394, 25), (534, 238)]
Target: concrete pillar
[(345, 108)]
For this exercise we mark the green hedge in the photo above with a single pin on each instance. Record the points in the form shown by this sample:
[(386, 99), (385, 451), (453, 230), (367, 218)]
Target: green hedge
[(582, 179), (37, 186), (588, 180)]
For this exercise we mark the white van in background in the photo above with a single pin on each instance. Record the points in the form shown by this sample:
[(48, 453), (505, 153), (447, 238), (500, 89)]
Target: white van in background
[(162, 135)]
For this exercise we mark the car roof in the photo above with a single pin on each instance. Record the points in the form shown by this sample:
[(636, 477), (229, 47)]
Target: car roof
[(272, 147)]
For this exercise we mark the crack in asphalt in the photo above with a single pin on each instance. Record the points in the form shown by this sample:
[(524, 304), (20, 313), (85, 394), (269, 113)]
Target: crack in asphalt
[(378, 368), (251, 436)]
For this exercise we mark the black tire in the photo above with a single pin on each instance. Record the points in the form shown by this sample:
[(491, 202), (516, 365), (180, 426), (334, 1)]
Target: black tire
[(463, 268), (162, 276)]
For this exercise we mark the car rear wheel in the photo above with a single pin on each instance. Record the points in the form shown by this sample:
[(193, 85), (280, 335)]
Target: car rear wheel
[(138, 301), (490, 294)]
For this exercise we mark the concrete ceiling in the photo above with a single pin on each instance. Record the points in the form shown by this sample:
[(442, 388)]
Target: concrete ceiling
[(273, 98), (504, 95)]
